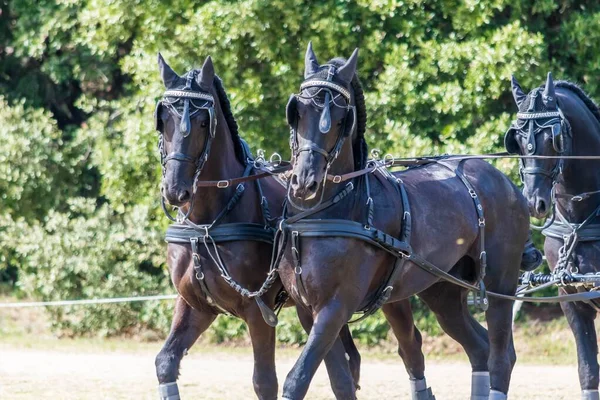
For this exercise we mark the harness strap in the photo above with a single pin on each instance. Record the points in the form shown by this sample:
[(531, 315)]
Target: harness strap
[(200, 278), (264, 172), (432, 269), (334, 200), (577, 197), (481, 300)]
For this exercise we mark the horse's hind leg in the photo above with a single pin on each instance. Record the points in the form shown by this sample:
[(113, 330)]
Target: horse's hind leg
[(343, 381), (188, 324), (449, 303), (581, 320), (262, 336), (400, 318)]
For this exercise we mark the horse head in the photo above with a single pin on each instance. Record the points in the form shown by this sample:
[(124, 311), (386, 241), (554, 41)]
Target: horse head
[(321, 117), (541, 129)]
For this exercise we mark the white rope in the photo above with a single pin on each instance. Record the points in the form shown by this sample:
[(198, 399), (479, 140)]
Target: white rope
[(88, 301)]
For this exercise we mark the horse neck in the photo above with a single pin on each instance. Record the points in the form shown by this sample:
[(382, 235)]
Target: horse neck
[(221, 164), (343, 164), (581, 176)]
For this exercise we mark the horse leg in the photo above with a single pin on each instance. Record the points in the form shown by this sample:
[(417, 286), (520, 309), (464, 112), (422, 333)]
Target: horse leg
[(353, 354), (262, 336), (342, 380), (188, 324), (449, 303), (399, 315), (325, 331), (502, 350), (581, 320)]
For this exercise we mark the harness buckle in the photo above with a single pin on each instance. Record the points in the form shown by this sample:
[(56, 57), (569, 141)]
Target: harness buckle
[(472, 193), (481, 221), (337, 179), (223, 184)]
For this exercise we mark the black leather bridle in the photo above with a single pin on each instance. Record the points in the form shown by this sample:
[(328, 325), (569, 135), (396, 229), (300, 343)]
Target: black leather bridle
[(333, 91), (193, 103), (529, 124)]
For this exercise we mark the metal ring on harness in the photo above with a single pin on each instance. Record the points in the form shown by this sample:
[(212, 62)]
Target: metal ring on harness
[(277, 158)]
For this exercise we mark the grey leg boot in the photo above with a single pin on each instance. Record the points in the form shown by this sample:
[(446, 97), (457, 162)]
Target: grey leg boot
[(480, 385), (420, 391), (496, 395), (168, 391), (590, 395)]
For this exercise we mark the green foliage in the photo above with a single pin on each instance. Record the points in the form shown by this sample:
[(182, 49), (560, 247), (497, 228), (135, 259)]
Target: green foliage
[(79, 169)]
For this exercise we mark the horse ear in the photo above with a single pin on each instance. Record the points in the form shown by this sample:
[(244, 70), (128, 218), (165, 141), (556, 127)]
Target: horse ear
[(169, 77), (518, 93), (311, 65), (346, 71), (207, 75), (548, 95)]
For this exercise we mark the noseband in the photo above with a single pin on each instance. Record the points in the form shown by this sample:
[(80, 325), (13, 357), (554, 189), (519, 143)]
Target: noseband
[(193, 103), (333, 92)]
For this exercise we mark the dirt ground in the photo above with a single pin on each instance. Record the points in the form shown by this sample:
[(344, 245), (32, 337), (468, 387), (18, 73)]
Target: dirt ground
[(216, 373)]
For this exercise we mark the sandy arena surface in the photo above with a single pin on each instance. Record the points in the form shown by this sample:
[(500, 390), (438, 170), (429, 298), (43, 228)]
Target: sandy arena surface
[(212, 374)]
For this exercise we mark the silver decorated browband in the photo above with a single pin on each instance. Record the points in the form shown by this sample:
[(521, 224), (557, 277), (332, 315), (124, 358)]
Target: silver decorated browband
[(538, 115), (319, 83), (187, 94)]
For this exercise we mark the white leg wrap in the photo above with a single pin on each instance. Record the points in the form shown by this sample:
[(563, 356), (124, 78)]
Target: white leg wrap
[(480, 385), (168, 391), (420, 391), (496, 395), (590, 395)]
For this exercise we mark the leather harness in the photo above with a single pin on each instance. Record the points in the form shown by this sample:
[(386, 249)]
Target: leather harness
[(209, 235)]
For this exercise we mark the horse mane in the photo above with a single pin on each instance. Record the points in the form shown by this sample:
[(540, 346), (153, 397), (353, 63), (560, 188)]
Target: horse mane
[(230, 119), (360, 146), (591, 105)]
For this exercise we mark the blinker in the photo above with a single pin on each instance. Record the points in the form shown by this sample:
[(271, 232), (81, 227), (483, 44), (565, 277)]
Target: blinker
[(556, 129)]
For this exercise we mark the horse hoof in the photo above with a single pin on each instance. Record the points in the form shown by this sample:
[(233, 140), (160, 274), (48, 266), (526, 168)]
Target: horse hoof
[(168, 391), (590, 395)]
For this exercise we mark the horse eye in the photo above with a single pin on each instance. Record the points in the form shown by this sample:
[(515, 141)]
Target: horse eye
[(339, 123), (204, 124)]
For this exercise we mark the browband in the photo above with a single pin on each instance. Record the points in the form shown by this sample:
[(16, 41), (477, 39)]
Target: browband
[(188, 94), (319, 83), (534, 115)]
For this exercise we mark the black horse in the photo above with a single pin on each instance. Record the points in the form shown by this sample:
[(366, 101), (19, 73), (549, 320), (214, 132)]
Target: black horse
[(347, 257), (559, 119), (223, 242)]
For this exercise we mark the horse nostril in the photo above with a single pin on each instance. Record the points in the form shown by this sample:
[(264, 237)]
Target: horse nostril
[(183, 196), (541, 206), (312, 188), (294, 180)]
